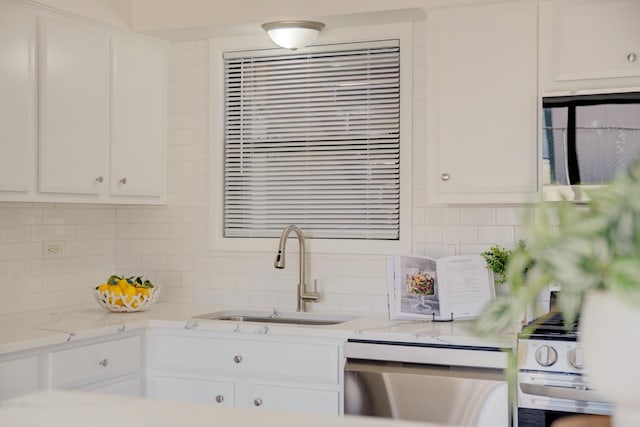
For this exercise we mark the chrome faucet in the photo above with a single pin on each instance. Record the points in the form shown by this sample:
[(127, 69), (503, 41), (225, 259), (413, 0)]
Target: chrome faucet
[(303, 295)]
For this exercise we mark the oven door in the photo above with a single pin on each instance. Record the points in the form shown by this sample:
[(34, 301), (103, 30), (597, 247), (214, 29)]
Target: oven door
[(544, 397)]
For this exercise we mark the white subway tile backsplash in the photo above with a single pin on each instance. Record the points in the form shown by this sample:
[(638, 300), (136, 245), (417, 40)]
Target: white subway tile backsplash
[(513, 216), (154, 262), (155, 231), (477, 216), (198, 55), (495, 234), (460, 234)]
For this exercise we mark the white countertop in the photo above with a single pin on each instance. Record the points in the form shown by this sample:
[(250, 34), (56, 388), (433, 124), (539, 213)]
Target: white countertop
[(74, 409), (29, 330)]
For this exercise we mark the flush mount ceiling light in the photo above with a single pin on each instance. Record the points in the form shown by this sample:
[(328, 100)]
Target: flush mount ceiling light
[(293, 34)]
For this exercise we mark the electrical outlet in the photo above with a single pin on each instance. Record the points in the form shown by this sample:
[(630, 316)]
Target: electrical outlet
[(52, 249)]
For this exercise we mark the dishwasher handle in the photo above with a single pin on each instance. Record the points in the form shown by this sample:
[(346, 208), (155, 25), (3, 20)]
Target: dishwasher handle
[(492, 358)]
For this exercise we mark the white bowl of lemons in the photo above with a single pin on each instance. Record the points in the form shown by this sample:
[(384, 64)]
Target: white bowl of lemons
[(126, 294)]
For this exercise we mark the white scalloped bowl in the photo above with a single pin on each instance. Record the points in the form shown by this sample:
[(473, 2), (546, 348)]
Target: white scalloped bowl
[(126, 303)]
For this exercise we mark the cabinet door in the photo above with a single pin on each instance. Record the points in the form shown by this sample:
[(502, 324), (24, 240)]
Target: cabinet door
[(138, 140), (591, 39), (286, 398), (17, 102), (191, 390), (74, 107), (19, 376), (482, 103)]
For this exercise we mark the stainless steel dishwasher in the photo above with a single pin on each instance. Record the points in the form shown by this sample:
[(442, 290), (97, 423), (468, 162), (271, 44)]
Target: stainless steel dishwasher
[(464, 386)]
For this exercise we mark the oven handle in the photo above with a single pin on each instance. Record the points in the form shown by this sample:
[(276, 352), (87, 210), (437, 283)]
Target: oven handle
[(561, 392)]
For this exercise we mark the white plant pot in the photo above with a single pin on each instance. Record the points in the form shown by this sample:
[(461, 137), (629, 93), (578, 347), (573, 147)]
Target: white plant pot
[(610, 337)]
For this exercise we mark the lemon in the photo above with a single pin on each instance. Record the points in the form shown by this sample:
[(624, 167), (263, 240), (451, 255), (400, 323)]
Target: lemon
[(123, 283), (129, 293)]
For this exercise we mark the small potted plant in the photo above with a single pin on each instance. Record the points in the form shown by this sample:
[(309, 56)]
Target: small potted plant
[(592, 254), (497, 259)]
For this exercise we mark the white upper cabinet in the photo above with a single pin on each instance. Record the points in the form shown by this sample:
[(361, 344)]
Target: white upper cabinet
[(589, 44), (482, 103), (74, 106), (17, 100), (138, 135), (83, 110)]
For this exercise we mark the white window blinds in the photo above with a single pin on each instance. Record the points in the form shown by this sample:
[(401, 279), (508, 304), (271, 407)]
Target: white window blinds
[(313, 139)]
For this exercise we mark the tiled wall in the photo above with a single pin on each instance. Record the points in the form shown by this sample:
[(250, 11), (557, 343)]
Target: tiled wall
[(168, 244), (27, 280)]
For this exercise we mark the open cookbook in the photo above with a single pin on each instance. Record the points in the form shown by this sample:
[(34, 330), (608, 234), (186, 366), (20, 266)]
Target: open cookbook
[(449, 288)]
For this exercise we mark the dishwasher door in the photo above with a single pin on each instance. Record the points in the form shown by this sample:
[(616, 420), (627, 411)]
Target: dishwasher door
[(464, 396)]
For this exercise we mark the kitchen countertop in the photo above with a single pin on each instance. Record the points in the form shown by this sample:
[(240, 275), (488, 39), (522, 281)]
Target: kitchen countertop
[(74, 409), (34, 329)]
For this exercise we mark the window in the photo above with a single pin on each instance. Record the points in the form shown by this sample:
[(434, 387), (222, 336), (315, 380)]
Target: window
[(313, 139), (251, 214)]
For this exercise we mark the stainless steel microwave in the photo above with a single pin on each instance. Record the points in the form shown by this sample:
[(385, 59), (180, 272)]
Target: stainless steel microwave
[(587, 140)]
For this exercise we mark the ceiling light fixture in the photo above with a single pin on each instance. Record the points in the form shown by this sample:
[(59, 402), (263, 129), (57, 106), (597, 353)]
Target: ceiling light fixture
[(293, 34)]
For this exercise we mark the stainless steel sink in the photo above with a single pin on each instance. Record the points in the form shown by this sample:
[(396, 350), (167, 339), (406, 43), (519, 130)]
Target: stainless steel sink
[(295, 318)]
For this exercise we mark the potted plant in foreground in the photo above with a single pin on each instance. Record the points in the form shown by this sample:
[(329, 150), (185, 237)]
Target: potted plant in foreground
[(592, 253)]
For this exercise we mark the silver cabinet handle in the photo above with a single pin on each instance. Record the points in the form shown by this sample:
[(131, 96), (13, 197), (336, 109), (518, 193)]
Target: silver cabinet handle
[(445, 177), (99, 179), (103, 363), (632, 57), (219, 398), (237, 358), (123, 181), (257, 401)]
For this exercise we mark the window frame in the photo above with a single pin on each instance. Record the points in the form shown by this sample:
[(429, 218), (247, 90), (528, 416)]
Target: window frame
[(217, 48)]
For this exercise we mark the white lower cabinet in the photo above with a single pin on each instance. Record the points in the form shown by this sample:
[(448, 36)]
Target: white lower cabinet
[(288, 398), (114, 365), (122, 387), (191, 390), (19, 375), (299, 374)]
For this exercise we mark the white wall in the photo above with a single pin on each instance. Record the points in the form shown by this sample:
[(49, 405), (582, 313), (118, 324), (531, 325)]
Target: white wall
[(169, 244), (114, 12), (153, 15)]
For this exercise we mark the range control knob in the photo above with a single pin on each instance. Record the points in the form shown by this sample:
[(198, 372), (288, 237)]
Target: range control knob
[(546, 355), (575, 358)]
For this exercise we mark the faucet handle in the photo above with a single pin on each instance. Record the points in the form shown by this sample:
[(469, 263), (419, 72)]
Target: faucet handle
[(311, 296)]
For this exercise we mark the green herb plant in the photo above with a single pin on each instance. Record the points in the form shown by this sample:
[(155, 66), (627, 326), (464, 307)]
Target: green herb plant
[(497, 259)]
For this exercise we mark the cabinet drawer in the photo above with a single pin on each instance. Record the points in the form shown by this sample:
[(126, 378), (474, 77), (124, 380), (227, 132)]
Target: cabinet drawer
[(246, 358), (191, 390), (294, 399), (94, 362), (122, 387)]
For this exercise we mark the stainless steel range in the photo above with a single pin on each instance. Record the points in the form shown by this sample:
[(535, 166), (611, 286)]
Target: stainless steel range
[(551, 381)]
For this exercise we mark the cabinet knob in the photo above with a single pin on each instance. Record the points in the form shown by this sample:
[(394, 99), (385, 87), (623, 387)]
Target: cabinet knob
[(632, 57), (103, 363), (257, 401), (219, 398), (445, 177), (237, 358), (123, 181), (99, 179)]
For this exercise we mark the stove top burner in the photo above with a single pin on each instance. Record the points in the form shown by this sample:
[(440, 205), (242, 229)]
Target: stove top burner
[(550, 326)]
